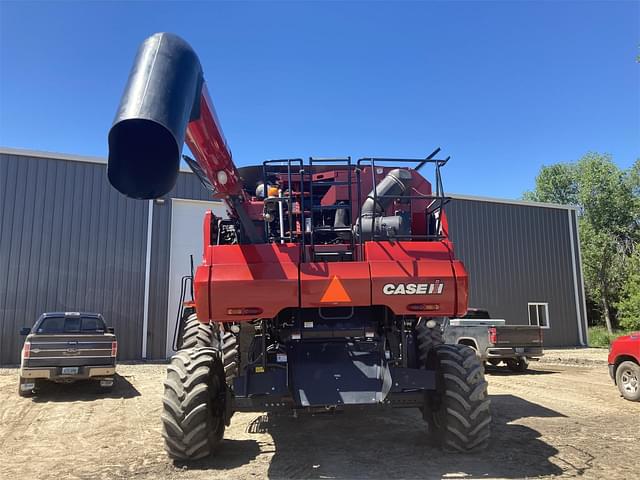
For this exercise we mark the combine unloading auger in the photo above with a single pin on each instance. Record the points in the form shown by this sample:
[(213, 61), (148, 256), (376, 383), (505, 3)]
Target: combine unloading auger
[(338, 272)]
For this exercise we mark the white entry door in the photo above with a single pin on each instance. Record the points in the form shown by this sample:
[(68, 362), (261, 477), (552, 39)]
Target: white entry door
[(187, 217)]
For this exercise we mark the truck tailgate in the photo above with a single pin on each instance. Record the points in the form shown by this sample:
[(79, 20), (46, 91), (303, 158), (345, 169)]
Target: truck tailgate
[(518, 335), (69, 350)]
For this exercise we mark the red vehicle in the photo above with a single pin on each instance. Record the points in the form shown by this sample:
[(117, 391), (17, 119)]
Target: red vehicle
[(624, 365), (336, 272)]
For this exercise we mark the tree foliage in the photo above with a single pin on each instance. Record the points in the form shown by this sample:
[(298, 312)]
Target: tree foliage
[(629, 304), (608, 202)]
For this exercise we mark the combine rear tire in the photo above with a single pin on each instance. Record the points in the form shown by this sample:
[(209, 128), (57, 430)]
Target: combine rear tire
[(427, 338), (229, 353), (193, 417), (196, 333), (459, 415)]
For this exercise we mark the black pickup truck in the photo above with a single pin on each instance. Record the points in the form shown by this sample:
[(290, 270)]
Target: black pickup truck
[(494, 341), (64, 347)]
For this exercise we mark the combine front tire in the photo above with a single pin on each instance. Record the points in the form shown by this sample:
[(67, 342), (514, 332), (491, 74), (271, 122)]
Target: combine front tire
[(193, 417), (458, 415)]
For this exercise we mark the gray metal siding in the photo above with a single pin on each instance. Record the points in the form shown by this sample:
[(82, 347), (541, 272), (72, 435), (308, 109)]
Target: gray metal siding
[(514, 255), (187, 187), (68, 242)]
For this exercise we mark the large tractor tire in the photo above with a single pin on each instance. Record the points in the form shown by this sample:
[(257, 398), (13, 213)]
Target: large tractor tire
[(458, 414), (196, 333), (193, 417), (230, 356), (427, 339)]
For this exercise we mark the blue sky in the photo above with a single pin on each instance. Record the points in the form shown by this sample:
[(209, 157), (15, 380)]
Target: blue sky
[(502, 87)]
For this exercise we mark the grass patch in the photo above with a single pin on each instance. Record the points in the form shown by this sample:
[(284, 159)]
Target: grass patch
[(600, 338)]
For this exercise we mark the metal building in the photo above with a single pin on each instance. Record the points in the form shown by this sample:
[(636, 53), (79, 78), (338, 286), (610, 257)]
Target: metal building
[(70, 242)]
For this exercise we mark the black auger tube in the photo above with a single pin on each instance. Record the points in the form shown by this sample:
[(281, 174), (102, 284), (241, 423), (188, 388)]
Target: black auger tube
[(161, 97)]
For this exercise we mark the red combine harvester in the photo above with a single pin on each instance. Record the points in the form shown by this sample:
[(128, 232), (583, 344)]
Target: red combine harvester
[(337, 273)]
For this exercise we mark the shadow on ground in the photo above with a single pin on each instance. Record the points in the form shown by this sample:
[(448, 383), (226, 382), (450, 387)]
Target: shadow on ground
[(84, 390), (394, 444), (230, 454), (503, 371)]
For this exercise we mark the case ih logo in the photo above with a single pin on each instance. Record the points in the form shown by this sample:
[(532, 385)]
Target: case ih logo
[(434, 288)]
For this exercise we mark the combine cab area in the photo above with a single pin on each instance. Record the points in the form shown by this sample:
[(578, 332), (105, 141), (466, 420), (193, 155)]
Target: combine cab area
[(325, 288)]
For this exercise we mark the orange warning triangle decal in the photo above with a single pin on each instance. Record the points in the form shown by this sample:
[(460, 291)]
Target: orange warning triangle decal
[(335, 292)]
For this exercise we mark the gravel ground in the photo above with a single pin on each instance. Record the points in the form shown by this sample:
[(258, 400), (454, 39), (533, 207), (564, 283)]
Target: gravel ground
[(559, 419), (575, 356)]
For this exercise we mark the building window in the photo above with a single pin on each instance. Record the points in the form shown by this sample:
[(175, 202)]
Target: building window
[(539, 314)]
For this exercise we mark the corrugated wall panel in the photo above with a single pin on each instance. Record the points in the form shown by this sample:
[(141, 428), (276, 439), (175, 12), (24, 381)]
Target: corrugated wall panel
[(189, 187), (68, 242), (516, 254)]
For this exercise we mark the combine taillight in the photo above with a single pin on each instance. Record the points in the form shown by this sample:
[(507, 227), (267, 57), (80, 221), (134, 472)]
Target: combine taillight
[(493, 335), (423, 307), (26, 350), (114, 349), (244, 311)]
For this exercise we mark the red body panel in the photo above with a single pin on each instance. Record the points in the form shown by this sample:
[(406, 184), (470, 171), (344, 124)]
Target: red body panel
[(270, 278), (247, 276), (628, 345), (353, 287), (423, 264)]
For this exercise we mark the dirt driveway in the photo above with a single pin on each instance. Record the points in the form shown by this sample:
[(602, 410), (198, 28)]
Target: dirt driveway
[(556, 420)]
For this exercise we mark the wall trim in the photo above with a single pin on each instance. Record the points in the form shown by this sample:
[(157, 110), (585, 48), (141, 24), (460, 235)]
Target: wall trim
[(63, 156), (570, 216), (147, 280), (508, 201), (184, 169), (584, 297)]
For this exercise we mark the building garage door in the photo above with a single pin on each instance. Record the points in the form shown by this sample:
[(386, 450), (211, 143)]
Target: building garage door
[(186, 239)]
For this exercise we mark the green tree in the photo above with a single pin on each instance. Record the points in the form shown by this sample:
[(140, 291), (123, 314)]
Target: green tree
[(629, 304), (608, 203)]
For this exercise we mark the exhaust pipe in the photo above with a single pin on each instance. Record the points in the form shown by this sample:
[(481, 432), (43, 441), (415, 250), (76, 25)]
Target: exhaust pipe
[(165, 102), (395, 184), (372, 221)]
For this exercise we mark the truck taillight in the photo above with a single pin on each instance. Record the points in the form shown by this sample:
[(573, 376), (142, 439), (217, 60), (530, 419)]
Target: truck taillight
[(26, 350), (114, 349), (493, 335)]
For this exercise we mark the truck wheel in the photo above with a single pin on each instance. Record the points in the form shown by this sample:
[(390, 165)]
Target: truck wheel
[(628, 380), (193, 404), (427, 338), (23, 382), (518, 365), (196, 333), (459, 415)]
